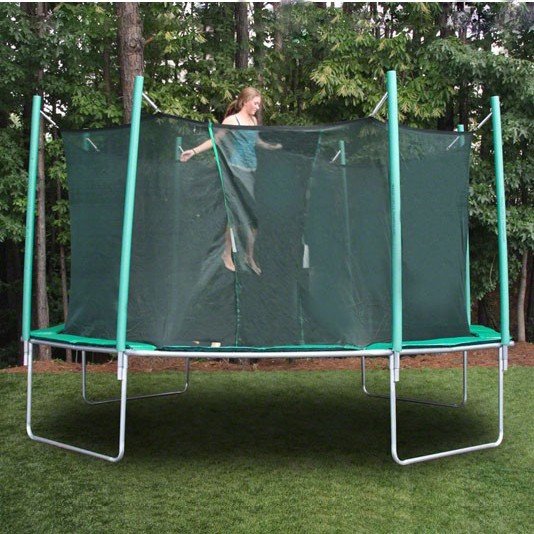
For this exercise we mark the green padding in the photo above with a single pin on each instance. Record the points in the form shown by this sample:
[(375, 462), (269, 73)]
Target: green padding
[(54, 334), (480, 335)]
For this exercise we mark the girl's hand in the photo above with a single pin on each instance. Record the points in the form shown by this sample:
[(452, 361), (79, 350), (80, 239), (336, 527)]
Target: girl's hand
[(187, 155), (275, 146)]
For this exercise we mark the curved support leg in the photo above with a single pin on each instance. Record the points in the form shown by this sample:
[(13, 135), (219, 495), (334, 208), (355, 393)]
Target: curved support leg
[(135, 397), (416, 459), (122, 423), (421, 401)]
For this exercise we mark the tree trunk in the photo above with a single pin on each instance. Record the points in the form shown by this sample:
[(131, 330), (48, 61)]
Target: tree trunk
[(64, 292), (348, 8), (482, 312), (530, 300), (259, 41), (64, 285), (42, 310), (241, 31), (106, 72), (131, 49), (446, 122), (278, 34), (43, 316), (521, 327), (446, 29)]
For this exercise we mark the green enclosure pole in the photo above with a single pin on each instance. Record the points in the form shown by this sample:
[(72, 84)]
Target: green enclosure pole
[(30, 222), (460, 129), (501, 219), (127, 225), (396, 233)]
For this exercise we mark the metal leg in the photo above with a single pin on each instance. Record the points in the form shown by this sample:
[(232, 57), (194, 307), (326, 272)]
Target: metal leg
[(122, 424), (393, 413), (421, 401), (105, 401)]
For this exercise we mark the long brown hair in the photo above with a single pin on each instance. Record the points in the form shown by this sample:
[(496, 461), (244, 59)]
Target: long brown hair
[(246, 94)]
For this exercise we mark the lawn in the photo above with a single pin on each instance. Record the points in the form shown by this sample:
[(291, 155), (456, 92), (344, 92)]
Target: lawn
[(246, 452)]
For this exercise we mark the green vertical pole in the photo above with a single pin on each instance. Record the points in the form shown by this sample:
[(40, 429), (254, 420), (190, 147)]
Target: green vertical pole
[(30, 219), (501, 219), (129, 199), (395, 201), (460, 129)]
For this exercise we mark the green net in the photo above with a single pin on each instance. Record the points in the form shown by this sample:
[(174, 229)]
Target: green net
[(279, 237)]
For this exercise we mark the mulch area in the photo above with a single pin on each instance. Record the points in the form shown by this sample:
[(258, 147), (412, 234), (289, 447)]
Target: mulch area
[(522, 354)]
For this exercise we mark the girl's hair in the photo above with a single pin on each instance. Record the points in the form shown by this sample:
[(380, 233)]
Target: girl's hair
[(246, 94)]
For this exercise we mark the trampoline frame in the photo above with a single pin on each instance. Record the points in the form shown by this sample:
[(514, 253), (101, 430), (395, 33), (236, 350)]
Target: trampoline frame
[(393, 354), (187, 355)]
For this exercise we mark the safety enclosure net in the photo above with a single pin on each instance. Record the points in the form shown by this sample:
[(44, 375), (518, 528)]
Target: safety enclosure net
[(279, 237)]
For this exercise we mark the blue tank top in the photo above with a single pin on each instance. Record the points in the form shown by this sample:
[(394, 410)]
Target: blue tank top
[(242, 148)]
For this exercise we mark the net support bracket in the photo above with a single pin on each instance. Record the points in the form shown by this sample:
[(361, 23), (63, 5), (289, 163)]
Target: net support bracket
[(379, 105), (151, 103), (484, 120)]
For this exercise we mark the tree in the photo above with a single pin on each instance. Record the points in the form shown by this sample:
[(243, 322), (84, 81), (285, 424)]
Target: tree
[(131, 48), (241, 31), (40, 14)]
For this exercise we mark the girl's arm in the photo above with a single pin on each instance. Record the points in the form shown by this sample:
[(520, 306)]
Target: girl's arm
[(207, 144), (268, 146)]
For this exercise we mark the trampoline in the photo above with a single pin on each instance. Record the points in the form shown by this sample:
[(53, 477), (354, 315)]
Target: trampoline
[(347, 240)]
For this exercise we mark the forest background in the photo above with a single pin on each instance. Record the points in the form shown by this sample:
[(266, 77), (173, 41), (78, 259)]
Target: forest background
[(313, 62)]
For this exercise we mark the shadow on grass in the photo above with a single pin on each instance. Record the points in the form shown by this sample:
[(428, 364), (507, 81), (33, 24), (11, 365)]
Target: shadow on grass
[(223, 418)]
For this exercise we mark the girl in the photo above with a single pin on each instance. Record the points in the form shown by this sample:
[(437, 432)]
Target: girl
[(240, 152)]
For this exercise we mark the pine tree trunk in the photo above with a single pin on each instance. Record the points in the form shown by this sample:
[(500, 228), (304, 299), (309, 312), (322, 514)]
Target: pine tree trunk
[(521, 327), (278, 35), (64, 292), (241, 31), (530, 300), (42, 310), (131, 51), (106, 72), (43, 316), (259, 41), (63, 274)]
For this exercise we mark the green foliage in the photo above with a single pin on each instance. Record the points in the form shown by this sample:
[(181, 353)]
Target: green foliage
[(331, 67), (12, 185)]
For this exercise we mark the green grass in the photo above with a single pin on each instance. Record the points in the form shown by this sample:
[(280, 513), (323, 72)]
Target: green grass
[(267, 452)]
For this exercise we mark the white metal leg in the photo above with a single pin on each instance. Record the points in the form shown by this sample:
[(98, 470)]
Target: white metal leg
[(122, 423), (117, 399), (416, 459), (421, 401)]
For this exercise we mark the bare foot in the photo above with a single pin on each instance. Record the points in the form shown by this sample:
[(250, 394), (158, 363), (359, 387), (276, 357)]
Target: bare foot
[(253, 265), (228, 262)]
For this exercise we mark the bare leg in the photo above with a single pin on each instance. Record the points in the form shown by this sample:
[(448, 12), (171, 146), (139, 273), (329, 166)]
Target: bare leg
[(227, 254), (251, 262)]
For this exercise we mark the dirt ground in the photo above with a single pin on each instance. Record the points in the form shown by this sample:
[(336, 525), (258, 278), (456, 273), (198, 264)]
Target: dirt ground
[(522, 354)]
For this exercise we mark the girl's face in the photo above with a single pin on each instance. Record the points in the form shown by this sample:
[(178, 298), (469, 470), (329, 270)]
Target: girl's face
[(253, 105)]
